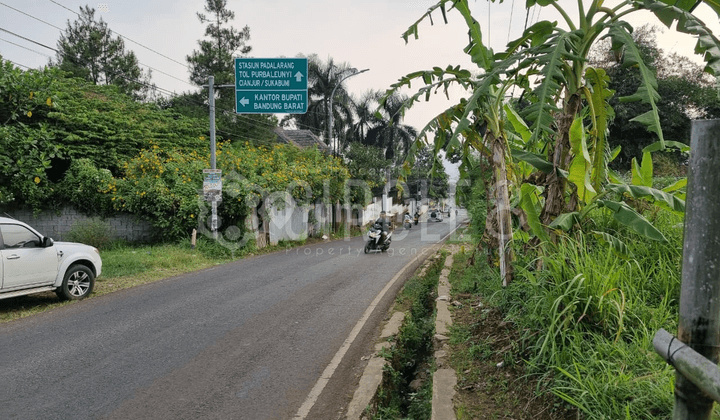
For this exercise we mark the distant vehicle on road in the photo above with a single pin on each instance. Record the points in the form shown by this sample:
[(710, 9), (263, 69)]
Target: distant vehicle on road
[(32, 263), (435, 215)]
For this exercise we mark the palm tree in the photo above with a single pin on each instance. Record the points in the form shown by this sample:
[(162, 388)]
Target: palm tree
[(323, 78), (365, 117), (388, 131)]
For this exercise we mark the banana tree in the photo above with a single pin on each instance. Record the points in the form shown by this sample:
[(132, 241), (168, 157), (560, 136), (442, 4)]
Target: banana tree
[(474, 124), (568, 113)]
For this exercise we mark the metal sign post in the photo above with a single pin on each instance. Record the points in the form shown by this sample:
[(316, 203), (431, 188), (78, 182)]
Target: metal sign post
[(262, 86)]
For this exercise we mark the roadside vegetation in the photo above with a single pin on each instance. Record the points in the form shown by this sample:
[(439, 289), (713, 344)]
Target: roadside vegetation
[(577, 324), (91, 131), (406, 388), (573, 142)]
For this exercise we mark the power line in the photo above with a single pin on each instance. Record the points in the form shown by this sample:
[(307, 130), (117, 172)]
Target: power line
[(31, 16), (64, 31), (527, 15), (20, 65), (29, 40), (24, 47), (124, 37), (512, 9), (537, 16), (226, 133), (149, 86)]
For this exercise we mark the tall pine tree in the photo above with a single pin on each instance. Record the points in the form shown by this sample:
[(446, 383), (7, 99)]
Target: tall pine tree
[(216, 54), (88, 50), (216, 57)]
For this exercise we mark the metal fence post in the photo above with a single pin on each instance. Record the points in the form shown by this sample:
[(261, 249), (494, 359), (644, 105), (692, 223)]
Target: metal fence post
[(699, 325)]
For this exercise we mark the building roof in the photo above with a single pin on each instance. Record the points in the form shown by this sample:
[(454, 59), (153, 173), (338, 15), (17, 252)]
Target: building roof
[(300, 138)]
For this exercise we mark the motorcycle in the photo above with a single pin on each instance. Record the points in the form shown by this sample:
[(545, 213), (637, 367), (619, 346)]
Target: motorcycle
[(407, 221), (376, 242)]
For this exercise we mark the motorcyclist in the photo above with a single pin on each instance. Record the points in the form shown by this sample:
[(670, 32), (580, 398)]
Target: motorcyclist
[(416, 217), (384, 223)]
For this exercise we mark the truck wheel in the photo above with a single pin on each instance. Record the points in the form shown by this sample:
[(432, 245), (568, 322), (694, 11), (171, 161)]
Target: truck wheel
[(77, 283)]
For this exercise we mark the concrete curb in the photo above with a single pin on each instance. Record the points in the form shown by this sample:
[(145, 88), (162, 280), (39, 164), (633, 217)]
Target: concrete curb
[(444, 378), (373, 373)]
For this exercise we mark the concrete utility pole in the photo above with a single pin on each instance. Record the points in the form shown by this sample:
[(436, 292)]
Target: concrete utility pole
[(213, 164), (699, 326), (211, 101), (330, 111)]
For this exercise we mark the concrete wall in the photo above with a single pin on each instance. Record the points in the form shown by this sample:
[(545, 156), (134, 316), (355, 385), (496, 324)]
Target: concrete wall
[(57, 225), (288, 223)]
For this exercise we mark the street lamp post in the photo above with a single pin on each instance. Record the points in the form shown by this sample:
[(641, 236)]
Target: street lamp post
[(330, 116)]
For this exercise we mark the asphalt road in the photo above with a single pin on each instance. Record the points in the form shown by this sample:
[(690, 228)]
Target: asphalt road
[(245, 340)]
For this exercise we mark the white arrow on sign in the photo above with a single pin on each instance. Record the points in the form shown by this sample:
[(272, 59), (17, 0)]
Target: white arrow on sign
[(298, 77), (244, 101)]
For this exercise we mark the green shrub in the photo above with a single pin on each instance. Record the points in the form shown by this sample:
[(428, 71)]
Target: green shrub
[(93, 232), (87, 188)]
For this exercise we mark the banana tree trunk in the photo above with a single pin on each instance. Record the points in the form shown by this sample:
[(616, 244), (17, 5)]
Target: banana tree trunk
[(502, 208), (555, 202)]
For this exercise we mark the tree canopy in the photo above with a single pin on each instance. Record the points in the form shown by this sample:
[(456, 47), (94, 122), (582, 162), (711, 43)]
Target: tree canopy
[(215, 57), (216, 54), (88, 50), (50, 120), (551, 154), (685, 91)]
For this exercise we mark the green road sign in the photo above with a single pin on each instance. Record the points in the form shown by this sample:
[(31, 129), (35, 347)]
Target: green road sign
[(271, 85)]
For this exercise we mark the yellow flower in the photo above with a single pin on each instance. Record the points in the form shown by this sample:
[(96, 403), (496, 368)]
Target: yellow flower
[(37, 179)]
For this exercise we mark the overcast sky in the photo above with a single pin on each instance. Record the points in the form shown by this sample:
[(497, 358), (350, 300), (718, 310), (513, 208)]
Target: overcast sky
[(362, 33)]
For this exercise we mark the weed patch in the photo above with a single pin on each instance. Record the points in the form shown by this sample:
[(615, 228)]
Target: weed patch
[(406, 388)]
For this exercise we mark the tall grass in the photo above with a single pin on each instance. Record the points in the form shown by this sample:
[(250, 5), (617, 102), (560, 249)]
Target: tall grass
[(589, 317)]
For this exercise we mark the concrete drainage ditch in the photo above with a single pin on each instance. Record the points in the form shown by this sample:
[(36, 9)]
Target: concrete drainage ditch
[(407, 375)]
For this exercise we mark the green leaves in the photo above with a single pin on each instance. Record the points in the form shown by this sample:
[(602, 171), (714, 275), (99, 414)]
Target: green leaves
[(647, 91), (598, 81), (529, 201), (662, 198), (642, 174), (538, 161), (707, 44), (566, 221), (479, 53), (634, 220), (617, 246), (551, 57), (581, 166)]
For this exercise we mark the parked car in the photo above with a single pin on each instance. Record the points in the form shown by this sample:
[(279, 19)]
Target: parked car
[(436, 215), (33, 263)]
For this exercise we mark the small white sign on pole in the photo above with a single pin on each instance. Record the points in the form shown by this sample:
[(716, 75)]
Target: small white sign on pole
[(212, 184)]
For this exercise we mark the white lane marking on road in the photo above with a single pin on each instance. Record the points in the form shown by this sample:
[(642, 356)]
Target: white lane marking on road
[(335, 362)]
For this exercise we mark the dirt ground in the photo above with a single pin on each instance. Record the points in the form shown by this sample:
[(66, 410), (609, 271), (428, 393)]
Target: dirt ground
[(492, 380)]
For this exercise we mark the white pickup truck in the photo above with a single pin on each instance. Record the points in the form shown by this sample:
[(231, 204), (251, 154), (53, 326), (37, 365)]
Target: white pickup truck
[(32, 263)]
